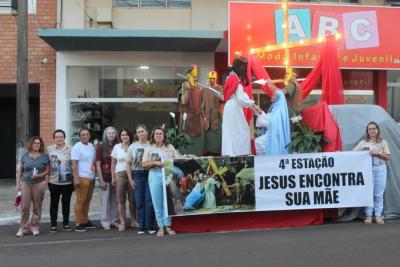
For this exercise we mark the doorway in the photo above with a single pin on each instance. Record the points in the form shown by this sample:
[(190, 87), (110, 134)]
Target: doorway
[(8, 132)]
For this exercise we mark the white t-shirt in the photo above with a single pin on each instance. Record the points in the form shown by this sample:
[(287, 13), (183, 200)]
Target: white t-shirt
[(164, 153), (118, 153), (381, 147), (85, 155), (135, 154)]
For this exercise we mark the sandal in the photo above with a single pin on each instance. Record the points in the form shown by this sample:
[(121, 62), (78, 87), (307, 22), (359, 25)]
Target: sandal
[(170, 231), (379, 220), (121, 227), (134, 224), (368, 220), (160, 232)]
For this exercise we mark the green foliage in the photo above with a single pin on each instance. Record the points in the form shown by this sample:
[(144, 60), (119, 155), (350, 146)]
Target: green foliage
[(179, 139), (304, 139)]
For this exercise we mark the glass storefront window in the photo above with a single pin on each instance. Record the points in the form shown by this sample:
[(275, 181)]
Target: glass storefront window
[(153, 3), (96, 116), (126, 82), (179, 3), (393, 94), (122, 97)]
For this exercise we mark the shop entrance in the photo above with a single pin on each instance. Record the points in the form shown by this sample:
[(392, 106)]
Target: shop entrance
[(8, 122)]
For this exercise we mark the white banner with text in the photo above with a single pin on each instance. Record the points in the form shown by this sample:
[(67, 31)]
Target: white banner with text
[(311, 181)]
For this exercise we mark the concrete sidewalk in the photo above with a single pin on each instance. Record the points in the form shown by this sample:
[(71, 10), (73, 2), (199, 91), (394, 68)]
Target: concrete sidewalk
[(11, 215)]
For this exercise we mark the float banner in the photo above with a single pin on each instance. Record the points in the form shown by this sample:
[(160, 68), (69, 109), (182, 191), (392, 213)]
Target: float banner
[(209, 185), (288, 182), (310, 181), (368, 33)]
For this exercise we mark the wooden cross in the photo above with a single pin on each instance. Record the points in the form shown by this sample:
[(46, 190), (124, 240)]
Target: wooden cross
[(286, 44), (220, 172)]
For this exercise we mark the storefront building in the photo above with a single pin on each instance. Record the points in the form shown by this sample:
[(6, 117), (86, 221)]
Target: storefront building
[(115, 61), (128, 74)]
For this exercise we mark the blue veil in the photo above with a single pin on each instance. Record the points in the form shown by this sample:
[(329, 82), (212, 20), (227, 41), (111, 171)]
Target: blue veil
[(278, 132)]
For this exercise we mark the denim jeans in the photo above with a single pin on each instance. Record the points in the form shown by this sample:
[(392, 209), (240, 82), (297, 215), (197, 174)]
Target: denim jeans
[(144, 205), (379, 180), (157, 196)]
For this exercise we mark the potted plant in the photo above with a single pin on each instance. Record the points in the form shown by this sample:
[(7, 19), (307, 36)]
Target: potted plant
[(305, 139), (179, 138)]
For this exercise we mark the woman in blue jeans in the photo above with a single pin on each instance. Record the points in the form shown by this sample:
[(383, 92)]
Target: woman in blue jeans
[(153, 159), (139, 177), (379, 150)]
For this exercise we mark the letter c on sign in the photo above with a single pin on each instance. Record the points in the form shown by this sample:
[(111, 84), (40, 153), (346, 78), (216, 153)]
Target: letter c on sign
[(361, 29), (355, 32)]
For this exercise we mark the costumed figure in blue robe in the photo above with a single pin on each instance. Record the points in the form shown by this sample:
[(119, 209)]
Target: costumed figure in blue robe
[(277, 136), (196, 198)]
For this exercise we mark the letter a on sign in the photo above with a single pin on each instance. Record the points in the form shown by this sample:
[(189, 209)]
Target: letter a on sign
[(299, 25), (361, 29)]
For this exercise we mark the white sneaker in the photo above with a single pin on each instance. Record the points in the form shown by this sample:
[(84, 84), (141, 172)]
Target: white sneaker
[(106, 227), (20, 233), (35, 232)]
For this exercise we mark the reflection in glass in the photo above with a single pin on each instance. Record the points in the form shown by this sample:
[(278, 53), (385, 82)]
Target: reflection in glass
[(97, 116), (126, 3), (126, 82)]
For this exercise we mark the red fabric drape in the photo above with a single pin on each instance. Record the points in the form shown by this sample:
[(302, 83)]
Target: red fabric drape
[(230, 86), (320, 118), (327, 67), (256, 68), (246, 220)]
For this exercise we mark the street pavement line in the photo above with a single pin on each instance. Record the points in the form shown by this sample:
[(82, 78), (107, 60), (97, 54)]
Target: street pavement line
[(67, 241)]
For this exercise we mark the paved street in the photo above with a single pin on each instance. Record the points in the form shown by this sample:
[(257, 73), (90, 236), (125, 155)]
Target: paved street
[(338, 244)]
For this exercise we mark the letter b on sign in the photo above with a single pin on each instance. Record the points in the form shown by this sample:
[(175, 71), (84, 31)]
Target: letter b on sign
[(361, 29)]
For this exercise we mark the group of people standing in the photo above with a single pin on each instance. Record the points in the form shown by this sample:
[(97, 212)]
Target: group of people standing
[(127, 169), (133, 170)]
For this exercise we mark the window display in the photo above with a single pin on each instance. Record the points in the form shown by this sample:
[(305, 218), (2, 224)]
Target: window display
[(121, 97), (97, 116), (92, 116)]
